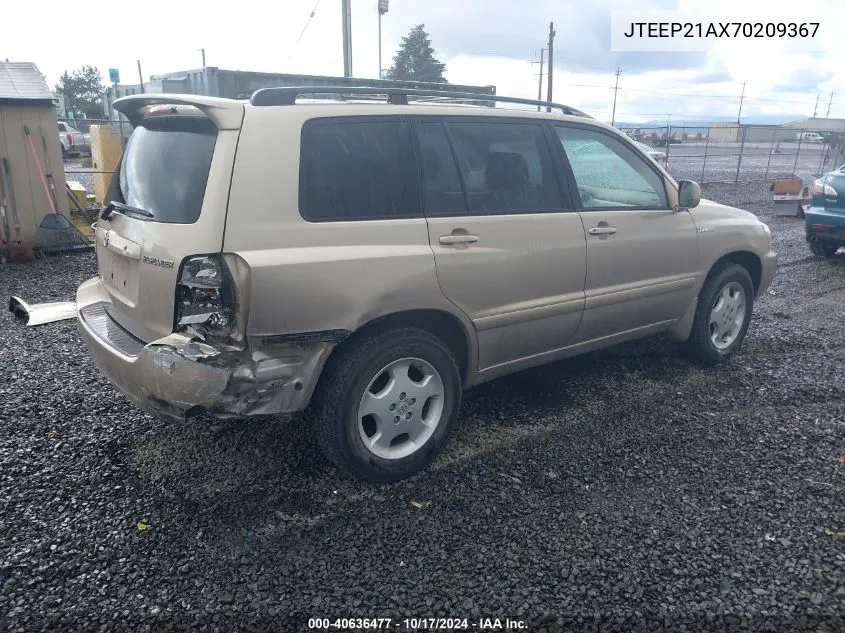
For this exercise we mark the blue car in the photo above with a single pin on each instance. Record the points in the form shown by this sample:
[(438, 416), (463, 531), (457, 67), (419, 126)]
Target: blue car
[(824, 221)]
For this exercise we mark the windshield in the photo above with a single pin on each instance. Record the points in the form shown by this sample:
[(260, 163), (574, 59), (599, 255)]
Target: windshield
[(165, 167)]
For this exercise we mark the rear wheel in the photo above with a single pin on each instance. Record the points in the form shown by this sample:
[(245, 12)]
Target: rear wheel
[(824, 248), (722, 315), (387, 403)]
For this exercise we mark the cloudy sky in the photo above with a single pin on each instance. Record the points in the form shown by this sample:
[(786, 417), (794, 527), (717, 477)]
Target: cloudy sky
[(481, 41)]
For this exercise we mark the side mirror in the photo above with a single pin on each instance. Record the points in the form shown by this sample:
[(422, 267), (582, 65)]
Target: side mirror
[(689, 194)]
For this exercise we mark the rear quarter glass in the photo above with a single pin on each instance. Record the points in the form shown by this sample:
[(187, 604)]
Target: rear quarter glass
[(165, 167)]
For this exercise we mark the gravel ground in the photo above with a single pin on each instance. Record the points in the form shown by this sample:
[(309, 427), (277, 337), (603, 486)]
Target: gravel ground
[(625, 490)]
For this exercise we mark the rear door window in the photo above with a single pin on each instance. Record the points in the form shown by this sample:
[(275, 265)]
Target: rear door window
[(507, 167), (164, 169), (358, 169), (443, 194)]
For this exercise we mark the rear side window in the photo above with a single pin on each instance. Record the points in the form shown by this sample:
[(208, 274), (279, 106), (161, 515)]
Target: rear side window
[(507, 167), (164, 169), (358, 169)]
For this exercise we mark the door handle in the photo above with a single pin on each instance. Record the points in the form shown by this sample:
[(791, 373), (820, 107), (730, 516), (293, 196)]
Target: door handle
[(602, 230), (447, 240)]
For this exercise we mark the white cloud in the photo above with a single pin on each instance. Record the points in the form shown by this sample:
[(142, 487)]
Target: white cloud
[(482, 41)]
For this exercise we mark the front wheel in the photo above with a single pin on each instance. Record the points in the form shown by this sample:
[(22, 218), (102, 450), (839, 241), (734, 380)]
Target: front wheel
[(387, 403), (823, 248), (722, 315)]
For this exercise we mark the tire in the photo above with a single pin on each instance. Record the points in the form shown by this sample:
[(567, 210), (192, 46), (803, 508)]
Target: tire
[(359, 366), (706, 343), (824, 248)]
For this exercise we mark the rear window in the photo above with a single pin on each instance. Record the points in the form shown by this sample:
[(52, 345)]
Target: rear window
[(164, 169)]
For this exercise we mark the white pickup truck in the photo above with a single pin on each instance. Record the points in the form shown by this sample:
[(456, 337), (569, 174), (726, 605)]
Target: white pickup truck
[(73, 141)]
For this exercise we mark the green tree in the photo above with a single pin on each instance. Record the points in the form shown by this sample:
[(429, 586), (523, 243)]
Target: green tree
[(83, 90), (415, 60)]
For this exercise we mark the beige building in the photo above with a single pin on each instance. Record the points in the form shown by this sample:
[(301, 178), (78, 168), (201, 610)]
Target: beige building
[(25, 100)]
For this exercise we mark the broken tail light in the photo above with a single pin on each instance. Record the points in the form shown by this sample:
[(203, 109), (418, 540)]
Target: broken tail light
[(206, 304)]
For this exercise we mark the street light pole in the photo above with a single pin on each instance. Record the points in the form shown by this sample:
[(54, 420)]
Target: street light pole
[(382, 9), (347, 37), (551, 63)]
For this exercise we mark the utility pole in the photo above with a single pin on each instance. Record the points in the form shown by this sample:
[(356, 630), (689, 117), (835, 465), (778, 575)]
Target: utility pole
[(202, 50), (828, 105), (347, 38), (816, 107), (551, 61), (615, 90), (140, 76), (540, 84), (741, 99)]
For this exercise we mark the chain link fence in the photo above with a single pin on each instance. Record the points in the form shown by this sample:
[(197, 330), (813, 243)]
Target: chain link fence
[(747, 157), (76, 135), (744, 153)]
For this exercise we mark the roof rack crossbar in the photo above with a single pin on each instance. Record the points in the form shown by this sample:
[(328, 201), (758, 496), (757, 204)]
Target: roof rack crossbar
[(287, 96)]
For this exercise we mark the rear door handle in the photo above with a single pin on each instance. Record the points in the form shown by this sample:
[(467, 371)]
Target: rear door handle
[(602, 230), (447, 240)]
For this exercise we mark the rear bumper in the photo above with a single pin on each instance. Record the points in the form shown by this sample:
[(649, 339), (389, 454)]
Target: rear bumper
[(819, 223), (175, 376)]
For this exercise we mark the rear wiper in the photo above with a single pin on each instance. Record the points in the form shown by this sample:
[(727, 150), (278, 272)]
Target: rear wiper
[(125, 209)]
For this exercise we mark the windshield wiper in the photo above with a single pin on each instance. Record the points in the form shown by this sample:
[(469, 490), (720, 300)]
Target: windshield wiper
[(125, 209)]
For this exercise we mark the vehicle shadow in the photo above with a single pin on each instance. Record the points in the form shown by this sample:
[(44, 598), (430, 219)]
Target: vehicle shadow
[(245, 473)]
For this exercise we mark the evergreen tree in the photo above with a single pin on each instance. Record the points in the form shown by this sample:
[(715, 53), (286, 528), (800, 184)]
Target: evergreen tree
[(415, 60)]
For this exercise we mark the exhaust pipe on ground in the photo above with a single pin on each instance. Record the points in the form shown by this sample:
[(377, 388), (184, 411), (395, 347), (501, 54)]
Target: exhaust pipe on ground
[(41, 313)]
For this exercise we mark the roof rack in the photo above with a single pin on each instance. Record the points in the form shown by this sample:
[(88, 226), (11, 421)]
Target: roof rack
[(288, 95)]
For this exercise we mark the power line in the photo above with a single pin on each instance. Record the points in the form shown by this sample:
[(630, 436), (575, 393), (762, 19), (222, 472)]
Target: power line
[(305, 28)]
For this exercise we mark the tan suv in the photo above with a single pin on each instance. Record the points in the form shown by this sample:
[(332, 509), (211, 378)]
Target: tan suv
[(372, 259)]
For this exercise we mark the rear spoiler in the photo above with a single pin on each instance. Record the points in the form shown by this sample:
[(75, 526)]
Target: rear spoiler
[(227, 114)]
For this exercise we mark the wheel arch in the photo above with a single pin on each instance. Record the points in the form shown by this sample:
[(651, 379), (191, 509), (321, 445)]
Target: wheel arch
[(682, 328), (444, 325), (748, 260)]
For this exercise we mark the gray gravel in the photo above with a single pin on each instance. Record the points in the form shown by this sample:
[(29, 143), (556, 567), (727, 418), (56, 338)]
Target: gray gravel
[(625, 490)]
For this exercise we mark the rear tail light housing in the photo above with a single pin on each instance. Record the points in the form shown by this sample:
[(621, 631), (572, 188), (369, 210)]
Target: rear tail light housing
[(821, 188), (69, 138), (206, 300)]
